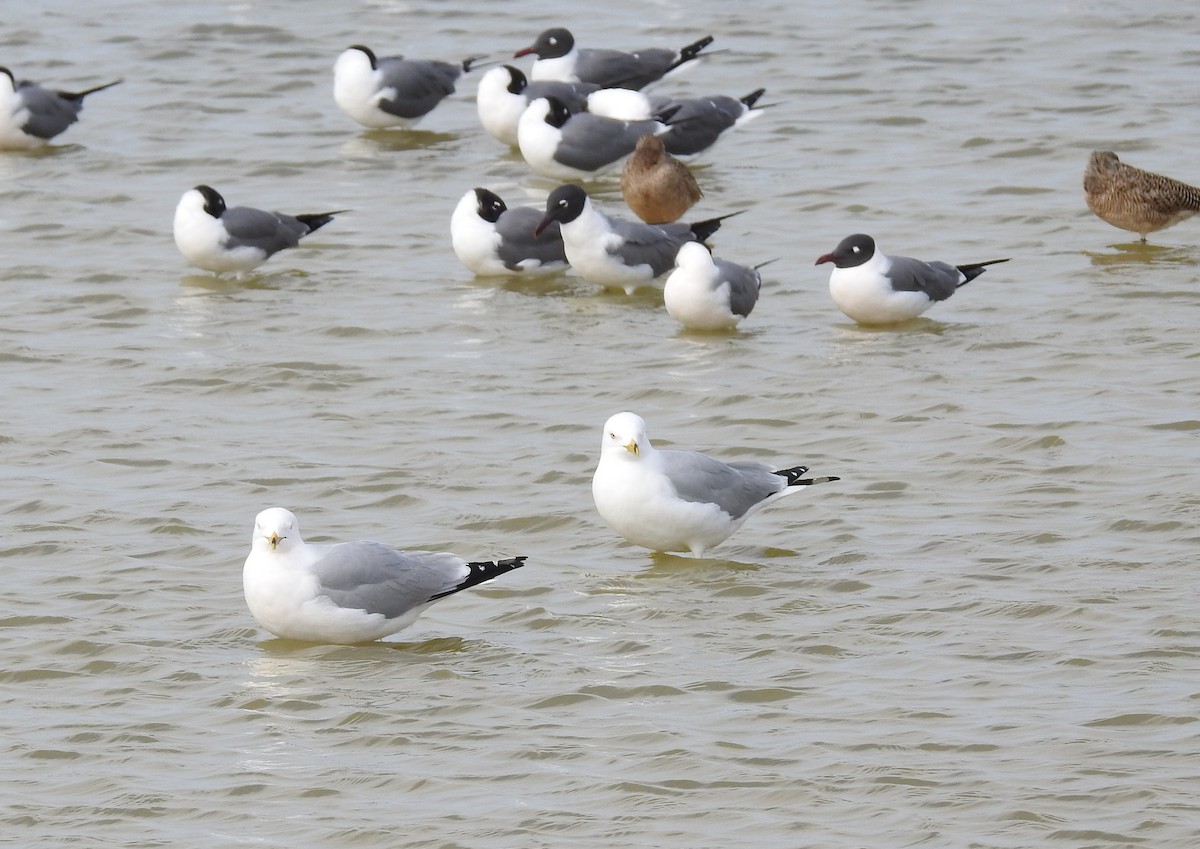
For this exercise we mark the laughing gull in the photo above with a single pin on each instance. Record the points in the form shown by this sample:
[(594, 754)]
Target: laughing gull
[(559, 59), (505, 92), (705, 293), (616, 252), (680, 500), (391, 91), (657, 186), (1133, 199), (350, 592), (572, 146), (874, 288), (31, 115), (698, 122), (491, 238), (217, 238)]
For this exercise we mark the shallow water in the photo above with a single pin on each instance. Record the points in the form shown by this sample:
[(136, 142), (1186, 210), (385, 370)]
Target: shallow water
[(983, 636)]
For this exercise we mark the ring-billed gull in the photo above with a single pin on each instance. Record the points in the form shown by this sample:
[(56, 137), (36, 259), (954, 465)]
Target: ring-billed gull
[(391, 91), (217, 238), (707, 293), (31, 115), (559, 59), (350, 592), (1133, 199), (874, 288), (680, 500)]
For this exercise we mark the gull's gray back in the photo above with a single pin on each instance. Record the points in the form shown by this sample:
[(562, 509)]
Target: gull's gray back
[(257, 228), (49, 114), (613, 68), (592, 141), (419, 86), (518, 243), (938, 280), (734, 487), (650, 244), (744, 284), (376, 578)]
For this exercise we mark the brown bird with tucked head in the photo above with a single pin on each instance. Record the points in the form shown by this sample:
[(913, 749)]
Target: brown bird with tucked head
[(1133, 199), (657, 186)]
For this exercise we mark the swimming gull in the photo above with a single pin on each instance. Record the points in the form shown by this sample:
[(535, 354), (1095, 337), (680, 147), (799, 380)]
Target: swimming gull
[(706, 293), (31, 115), (490, 237), (391, 91), (560, 59)]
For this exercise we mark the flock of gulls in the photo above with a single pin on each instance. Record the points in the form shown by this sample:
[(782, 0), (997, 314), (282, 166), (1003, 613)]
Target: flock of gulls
[(578, 113)]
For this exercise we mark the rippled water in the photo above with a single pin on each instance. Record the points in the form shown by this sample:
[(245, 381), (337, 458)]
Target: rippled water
[(984, 636)]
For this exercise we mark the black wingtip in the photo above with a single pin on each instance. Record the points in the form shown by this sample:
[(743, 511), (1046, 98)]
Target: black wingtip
[(690, 52), (750, 99), (795, 477), (974, 269), (317, 220), (483, 571), (703, 229), (80, 95)]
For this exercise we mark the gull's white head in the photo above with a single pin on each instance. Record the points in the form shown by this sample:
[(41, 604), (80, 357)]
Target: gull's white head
[(625, 435), (277, 529)]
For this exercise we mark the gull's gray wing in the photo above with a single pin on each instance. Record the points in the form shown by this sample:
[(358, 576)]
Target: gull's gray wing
[(938, 280), (616, 69), (744, 285), (518, 244), (654, 245), (590, 142), (49, 113), (698, 122), (257, 228), (734, 487), (377, 578), (419, 86)]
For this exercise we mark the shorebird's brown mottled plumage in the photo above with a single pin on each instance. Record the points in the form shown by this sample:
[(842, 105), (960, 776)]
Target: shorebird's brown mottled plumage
[(657, 186), (1133, 199)]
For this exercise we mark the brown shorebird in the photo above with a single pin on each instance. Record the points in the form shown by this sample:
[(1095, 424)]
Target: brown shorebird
[(657, 186), (1133, 199)]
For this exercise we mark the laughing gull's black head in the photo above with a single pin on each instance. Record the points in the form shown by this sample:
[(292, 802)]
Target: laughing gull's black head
[(214, 204), (489, 205), (557, 112), (369, 53), (517, 81), (551, 44), (564, 205), (851, 251), (11, 79)]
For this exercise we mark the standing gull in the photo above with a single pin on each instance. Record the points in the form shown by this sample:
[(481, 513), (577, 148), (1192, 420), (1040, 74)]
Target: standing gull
[(569, 146), (680, 500), (489, 237), (560, 59), (391, 91), (1133, 199), (217, 238), (874, 288), (617, 252), (350, 592), (31, 115), (657, 186), (706, 293)]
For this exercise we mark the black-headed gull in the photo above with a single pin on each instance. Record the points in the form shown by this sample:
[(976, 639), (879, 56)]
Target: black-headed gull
[(560, 59), (31, 115), (391, 91), (490, 237), (873, 288), (218, 238)]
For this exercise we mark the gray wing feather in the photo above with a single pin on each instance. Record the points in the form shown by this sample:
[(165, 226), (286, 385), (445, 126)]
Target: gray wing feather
[(592, 141), (377, 578), (419, 86), (938, 280), (734, 487), (654, 245), (573, 95), (744, 285), (517, 242), (615, 69), (257, 228), (49, 114), (699, 122)]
